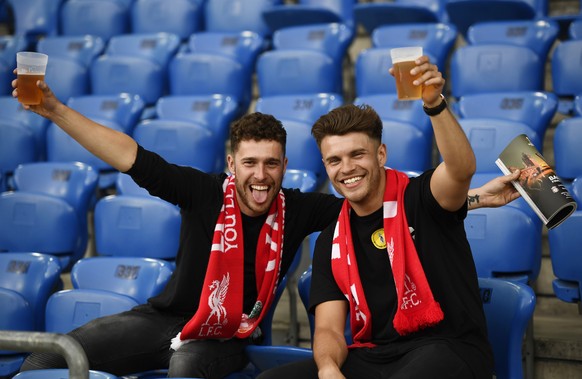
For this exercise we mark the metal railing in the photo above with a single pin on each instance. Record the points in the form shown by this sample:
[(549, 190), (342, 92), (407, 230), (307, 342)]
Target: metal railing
[(61, 344)]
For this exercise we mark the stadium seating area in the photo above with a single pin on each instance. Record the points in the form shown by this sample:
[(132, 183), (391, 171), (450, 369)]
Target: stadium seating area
[(175, 73)]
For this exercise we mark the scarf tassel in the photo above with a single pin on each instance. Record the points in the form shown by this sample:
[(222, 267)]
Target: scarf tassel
[(406, 322)]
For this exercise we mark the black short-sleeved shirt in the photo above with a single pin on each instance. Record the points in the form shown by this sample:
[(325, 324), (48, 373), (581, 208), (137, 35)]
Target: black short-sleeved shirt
[(200, 197), (445, 254)]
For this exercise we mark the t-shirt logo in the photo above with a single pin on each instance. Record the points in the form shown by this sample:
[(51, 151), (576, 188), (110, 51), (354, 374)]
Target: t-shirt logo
[(378, 239)]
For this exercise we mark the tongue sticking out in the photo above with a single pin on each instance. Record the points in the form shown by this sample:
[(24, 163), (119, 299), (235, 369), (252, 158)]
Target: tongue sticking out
[(260, 196)]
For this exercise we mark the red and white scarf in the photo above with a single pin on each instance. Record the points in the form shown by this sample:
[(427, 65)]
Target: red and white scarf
[(220, 312), (417, 308)]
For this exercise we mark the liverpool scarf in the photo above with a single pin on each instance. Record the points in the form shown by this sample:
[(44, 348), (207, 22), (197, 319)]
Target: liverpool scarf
[(417, 308), (220, 312)]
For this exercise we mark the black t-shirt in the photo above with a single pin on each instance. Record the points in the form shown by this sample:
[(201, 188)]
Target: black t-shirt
[(444, 252), (200, 197)]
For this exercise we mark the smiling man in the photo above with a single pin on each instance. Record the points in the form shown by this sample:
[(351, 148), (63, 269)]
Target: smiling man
[(397, 261)]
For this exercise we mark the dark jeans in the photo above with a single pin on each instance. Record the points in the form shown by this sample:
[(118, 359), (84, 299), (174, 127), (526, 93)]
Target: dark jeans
[(434, 360), (139, 340)]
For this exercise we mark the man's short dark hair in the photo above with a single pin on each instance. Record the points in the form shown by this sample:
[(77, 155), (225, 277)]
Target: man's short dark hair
[(257, 127)]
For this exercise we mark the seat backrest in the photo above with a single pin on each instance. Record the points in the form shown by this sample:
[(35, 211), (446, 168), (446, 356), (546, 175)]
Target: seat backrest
[(330, 38), (95, 17), (244, 47), (401, 138), (182, 18), (11, 109), (125, 185), (575, 29), (292, 72), (136, 277), (60, 373), (17, 145), (136, 75), (567, 153), (497, 253), (67, 77), (33, 276), (215, 111), (309, 12), (36, 18), (83, 48), (183, 143), (437, 39), (123, 108), (69, 309), (302, 150), (489, 136), (508, 307), (208, 74), (16, 312), (464, 13), (41, 223), (495, 68), (566, 67), (389, 107), (238, 15), (136, 226), (577, 109), (565, 243), (158, 47), (538, 35), (306, 107), (534, 108), (576, 189)]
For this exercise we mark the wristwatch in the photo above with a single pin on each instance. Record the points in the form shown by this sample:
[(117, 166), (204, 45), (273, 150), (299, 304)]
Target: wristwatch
[(436, 110)]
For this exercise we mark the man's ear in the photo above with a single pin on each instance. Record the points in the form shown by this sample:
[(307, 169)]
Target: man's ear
[(230, 163), (382, 154)]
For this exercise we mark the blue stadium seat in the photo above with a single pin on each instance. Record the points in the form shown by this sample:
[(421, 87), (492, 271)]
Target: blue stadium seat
[(389, 107), (238, 15), (67, 78), (538, 35), (184, 143), (102, 18), (12, 110), (307, 12), (294, 71), (436, 39), (578, 105), (566, 66), (306, 107), (83, 48), (35, 19), (123, 109), (489, 136), (565, 243), (18, 144), (58, 373), (464, 13), (575, 29), (576, 189), (63, 148), (136, 277), (496, 250), (73, 182), (495, 68), (244, 47), (509, 308), (182, 17), (209, 74), (26, 282), (9, 46), (136, 226), (304, 180), (135, 64), (401, 139), (371, 72), (376, 14), (302, 150), (534, 108), (124, 185), (567, 152)]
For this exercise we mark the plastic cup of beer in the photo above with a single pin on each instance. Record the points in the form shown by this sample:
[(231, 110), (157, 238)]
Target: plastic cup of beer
[(403, 61), (30, 68)]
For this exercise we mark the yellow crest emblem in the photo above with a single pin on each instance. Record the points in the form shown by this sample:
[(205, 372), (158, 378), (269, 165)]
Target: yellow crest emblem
[(378, 239)]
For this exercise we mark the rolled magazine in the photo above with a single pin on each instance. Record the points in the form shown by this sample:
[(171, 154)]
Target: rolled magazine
[(538, 183)]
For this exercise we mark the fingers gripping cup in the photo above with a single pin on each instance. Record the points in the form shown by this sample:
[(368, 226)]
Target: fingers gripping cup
[(30, 68), (403, 61)]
